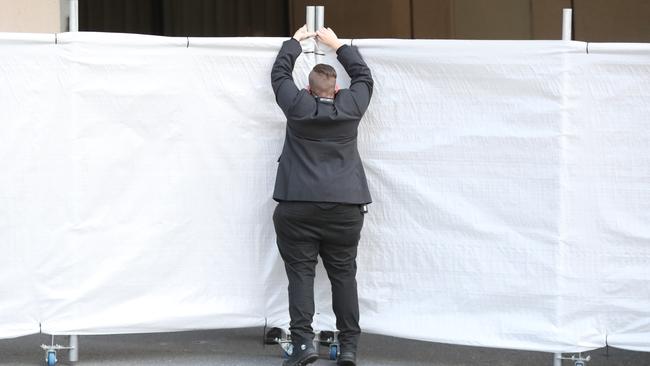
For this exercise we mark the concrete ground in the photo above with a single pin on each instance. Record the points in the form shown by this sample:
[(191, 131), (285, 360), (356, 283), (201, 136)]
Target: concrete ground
[(243, 347)]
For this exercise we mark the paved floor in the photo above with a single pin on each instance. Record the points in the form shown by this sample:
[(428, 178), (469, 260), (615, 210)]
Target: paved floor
[(243, 347)]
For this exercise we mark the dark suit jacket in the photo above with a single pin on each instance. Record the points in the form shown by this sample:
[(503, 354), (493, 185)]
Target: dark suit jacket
[(320, 161)]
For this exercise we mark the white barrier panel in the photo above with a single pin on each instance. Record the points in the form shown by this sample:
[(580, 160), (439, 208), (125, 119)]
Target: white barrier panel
[(511, 183)]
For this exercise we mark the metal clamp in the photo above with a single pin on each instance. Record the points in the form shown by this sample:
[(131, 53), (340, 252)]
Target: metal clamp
[(578, 360)]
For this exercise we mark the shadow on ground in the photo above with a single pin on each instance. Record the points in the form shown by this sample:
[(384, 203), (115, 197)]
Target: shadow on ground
[(243, 347)]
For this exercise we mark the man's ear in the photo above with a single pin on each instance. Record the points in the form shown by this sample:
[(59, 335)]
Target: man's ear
[(336, 88), (308, 87)]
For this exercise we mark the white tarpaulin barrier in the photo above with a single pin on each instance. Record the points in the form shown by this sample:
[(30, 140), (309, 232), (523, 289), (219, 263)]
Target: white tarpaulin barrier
[(511, 183)]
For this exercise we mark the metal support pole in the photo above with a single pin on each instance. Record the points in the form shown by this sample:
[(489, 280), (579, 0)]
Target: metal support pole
[(567, 17), (315, 20), (566, 36), (320, 17), (74, 27), (311, 19), (74, 351), (74, 15), (319, 22)]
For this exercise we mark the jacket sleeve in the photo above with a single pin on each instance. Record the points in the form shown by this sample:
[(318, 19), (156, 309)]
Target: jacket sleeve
[(286, 92), (361, 83)]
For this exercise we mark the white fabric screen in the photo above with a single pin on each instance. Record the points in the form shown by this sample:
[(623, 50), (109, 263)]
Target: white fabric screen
[(511, 183)]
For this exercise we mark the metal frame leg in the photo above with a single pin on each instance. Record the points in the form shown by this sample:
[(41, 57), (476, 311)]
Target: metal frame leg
[(74, 351)]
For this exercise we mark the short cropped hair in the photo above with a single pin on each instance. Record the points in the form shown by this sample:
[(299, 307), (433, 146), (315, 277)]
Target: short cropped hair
[(322, 80)]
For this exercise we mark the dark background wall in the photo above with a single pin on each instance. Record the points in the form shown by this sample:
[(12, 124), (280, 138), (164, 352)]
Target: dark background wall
[(213, 18), (594, 20)]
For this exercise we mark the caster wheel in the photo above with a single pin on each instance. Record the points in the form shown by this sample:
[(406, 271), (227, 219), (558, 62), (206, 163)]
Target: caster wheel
[(51, 358), (334, 352)]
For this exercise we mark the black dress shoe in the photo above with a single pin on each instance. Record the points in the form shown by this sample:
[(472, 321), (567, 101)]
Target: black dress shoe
[(347, 359), (303, 354)]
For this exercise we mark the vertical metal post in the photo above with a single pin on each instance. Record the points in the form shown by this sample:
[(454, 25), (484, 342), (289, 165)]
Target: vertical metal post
[(74, 351), (74, 15), (311, 19), (319, 23), (320, 17), (315, 21), (566, 36), (567, 16)]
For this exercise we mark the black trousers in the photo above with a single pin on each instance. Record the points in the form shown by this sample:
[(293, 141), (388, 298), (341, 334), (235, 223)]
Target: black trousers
[(304, 230)]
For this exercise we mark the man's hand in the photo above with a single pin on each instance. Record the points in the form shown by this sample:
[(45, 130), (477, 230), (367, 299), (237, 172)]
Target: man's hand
[(327, 36), (302, 34)]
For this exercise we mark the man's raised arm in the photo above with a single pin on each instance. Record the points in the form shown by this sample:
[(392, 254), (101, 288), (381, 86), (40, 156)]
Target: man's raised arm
[(361, 78), (281, 74)]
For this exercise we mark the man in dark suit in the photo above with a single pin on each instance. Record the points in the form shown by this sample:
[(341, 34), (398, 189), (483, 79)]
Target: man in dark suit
[(321, 190)]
